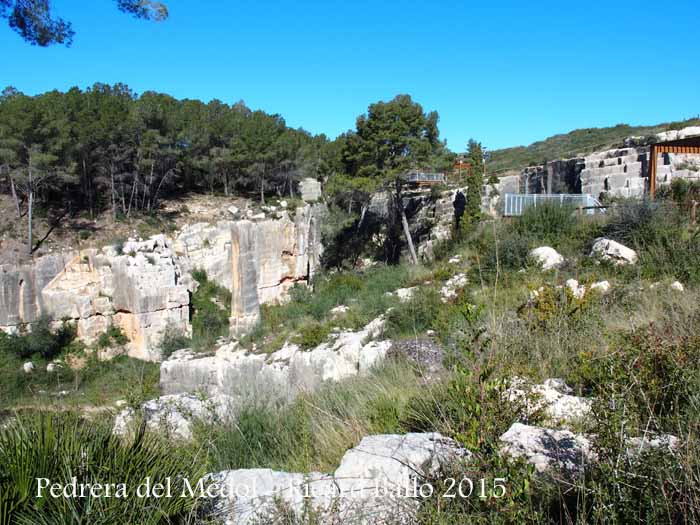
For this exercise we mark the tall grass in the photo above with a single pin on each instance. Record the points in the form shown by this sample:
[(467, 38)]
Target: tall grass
[(314, 431), (60, 447)]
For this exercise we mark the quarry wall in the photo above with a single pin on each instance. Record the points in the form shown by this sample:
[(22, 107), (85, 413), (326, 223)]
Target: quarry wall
[(144, 286), (618, 172)]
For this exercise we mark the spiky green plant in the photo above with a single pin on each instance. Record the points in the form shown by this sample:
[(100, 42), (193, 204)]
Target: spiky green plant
[(62, 446)]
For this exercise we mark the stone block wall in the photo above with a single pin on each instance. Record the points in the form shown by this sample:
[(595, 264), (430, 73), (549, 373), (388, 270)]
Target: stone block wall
[(618, 172)]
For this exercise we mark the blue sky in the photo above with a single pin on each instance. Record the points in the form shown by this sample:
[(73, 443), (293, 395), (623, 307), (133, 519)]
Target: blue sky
[(505, 73)]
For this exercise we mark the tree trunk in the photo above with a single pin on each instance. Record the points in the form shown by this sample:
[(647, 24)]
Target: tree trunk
[(30, 209), (114, 200), (262, 189), (362, 216), (409, 240), (404, 222), (14, 196)]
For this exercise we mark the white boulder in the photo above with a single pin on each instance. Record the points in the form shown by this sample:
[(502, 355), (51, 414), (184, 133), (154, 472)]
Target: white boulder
[(601, 287), (637, 445), (403, 294), (339, 310), (28, 367), (553, 398), (547, 258), (578, 291), (547, 449), (375, 483), (614, 252), (677, 286), (175, 414), (452, 286)]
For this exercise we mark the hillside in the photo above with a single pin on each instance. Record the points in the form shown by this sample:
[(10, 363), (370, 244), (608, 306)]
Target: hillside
[(574, 143)]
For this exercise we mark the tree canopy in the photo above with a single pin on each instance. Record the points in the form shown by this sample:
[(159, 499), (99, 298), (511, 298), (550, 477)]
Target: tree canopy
[(112, 149), (35, 22)]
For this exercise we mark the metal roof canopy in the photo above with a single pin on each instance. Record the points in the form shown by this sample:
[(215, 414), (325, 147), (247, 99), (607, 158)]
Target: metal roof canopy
[(690, 145)]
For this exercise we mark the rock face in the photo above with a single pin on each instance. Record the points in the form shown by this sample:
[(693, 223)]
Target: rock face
[(144, 287), (282, 374), (618, 172), (20, 289), (375, 483), (138, 288), (434, 222), (614, 252), (547, 258)]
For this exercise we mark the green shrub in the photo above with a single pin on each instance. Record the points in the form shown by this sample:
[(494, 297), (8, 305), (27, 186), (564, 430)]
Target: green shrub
[(646, 383), (312, 334), (548, 223), (58, 447), (658, 231), (172, 341), (113, 336), (510, 253), (211, 309), (415, 316), (40, 342), (639, 221)]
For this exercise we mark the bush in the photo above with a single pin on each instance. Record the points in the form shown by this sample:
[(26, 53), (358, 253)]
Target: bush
[(548, 223), (639, 221), (658, 231), (645, 384), (211, 309), (511, 253), (113, 336), (40, 342), (415, 316), (172, 341), (58, 447), (312, 335)]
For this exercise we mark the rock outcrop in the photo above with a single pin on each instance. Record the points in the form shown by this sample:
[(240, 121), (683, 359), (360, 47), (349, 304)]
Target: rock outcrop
[(547, 258), (282, 374), (137, 287), (613, 252), (173, 416), (241, 378), (548, 450), (377, 482), (553, 398), (21, 286), (144, 287)]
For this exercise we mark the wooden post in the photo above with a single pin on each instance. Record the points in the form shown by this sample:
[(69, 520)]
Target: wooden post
[(653, 156), (693, 212)]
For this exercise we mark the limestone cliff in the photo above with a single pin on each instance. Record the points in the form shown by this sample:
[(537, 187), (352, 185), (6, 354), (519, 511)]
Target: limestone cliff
[(144, 287)]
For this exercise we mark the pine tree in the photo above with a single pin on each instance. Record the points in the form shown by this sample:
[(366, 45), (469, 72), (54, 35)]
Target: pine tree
[(475, 183)]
